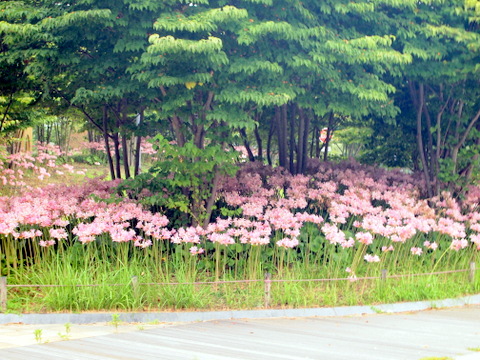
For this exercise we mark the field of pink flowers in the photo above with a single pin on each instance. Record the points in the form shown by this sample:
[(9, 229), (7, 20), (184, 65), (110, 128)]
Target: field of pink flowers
[(340, 220)]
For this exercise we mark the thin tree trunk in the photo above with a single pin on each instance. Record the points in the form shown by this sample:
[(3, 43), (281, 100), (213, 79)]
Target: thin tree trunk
[(327, 140), (282, 137), (126, 167), (199, 136), (292, 135), (439, 144), (429, 151), (269, 142), (176, 123), (318, 147), (5, 113), (462, 140), (306, 130), (116, 148), (246, 143), (301, 141), (421, 150), (107, 143), (212, 198), (259, 142), (312, 142), (469, 169), (138, 148)]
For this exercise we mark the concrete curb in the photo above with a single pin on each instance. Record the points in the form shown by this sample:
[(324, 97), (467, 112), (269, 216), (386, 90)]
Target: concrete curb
[(144, 317)]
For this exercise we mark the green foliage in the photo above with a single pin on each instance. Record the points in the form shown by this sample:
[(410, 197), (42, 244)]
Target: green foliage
[(212, 64), (351, 140), (391, 147), (182, 180)]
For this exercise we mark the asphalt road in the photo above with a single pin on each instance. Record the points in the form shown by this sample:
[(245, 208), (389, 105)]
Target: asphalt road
[(453, 333)]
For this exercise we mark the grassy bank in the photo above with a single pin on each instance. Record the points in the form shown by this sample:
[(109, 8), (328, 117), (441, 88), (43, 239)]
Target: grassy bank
[(97, 278)]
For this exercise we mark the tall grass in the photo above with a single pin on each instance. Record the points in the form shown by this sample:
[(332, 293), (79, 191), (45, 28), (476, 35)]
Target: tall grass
[(99, 276), (82, 254)]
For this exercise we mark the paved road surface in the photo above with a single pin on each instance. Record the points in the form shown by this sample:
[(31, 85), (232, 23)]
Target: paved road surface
[(453, 333)]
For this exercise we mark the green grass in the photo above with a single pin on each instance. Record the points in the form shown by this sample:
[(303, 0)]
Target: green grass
[(113, 288), (99, 276), (474, 349)]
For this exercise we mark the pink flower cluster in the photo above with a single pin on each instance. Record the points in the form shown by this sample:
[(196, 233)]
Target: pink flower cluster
[(15, 167), (382, 205), (354, 207)]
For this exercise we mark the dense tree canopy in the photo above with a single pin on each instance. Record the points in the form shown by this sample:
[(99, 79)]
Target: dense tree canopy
[(266, 74)]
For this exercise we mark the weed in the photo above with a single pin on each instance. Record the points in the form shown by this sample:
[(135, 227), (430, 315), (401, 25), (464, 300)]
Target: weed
[(377, 310), (38, 335), (64, 336), (115, 321), (68, 328)]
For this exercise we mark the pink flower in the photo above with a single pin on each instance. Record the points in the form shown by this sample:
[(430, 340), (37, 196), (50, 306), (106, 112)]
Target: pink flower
[(142, 243), (188, 235), (46, 243), (196, 250), (430, 245), (333, 234), (476, 240), (287, 243), (458, 244), (223, 239), (61, 222), (30, 234), (364, 238), (347, 243), (416, 251), (371, 258), (58, 233), (387, 248), (352, 277)]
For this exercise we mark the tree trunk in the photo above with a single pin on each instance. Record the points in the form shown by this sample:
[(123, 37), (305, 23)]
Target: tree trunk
[(304, 124), (138, 148), (126, 166), (463, 139), (421, 150), (177, 130), (107, 143), (269, 142), (259, 142), (301, 141), (199, 136), (469, 169), (291, 135), (212, 198), (313, 142), (439, 143), (116, 148), (429, 153), (327, 140), (246, 143), (282, 137), (5, 113)]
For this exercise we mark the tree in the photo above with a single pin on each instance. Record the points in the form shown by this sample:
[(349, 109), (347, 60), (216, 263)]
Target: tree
[(83, 52), (438, 92)]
